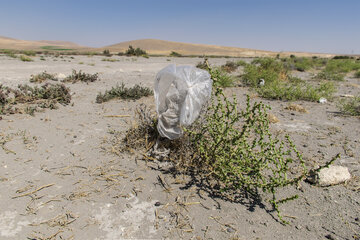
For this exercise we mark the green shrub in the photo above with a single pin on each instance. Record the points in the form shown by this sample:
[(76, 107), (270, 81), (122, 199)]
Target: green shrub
[(291, 91), (350, 106), (241, 63), (120, 91), (106, 52), (278, 84), (25, 58), (343, 57), (357, 74), (342, 65), (264, 68), (325, 75), (10, 53), (221, 78), (135, 52), (245, 157), (303, 63), (175, 54), (229, 149), (29, 53), (81, 76)]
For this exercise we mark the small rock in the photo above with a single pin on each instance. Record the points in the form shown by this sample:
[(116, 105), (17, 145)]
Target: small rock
[(157, 204), (60, 76), (322, 100), (230, 230), (330, 176)]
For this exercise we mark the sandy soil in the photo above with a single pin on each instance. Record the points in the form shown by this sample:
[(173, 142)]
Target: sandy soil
[(58, 181)]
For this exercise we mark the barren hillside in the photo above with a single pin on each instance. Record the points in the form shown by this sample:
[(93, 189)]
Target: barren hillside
[(16, 44)]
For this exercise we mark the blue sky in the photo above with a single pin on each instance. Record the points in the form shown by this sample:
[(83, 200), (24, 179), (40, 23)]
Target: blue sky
[(278, 25)]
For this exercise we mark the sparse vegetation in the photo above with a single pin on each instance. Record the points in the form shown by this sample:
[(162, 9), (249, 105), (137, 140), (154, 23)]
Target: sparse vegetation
[(357, 74), (9, 53), (81, 77), (135, 52), (202, 65), (231, 150), (29, 53), (56, 48), (109, 60), (41, 77), (120, 91), (221, 78), (219, 75), (278, 84), (229, 66), (326, 75), (342, 65), (28, 99), (175, 54), (350, 106)]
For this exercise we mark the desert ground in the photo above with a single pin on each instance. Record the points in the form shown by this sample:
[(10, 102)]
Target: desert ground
[(60, 180)]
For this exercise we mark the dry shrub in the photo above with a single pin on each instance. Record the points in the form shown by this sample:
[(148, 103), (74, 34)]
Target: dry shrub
[(296, 108), (42, 77), (28, 99)]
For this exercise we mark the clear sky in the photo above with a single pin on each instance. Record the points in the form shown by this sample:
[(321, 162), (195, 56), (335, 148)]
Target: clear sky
[(279, 25)]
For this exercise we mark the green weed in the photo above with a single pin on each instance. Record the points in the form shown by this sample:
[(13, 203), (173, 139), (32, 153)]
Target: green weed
[(326, 75), (9, 53), (29, 53), (109, 60), (229, 149), (120, 91), (278, 84), (25, 58), (342, 65), (357, 74), (292, 91), (350, 106), (218, 74)]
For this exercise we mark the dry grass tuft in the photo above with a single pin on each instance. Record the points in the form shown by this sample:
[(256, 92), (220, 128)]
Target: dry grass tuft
[(296, 108)]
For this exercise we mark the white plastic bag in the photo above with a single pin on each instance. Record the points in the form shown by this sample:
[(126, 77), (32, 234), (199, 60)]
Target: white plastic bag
[(180, 92)]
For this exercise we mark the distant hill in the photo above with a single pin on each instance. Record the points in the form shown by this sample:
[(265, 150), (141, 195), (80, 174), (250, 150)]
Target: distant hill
[(16, 44), (152, 46), (161, 47)]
